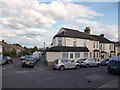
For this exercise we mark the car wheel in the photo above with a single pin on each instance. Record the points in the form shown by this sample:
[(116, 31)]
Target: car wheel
[(109, 72), (87, 65), (77, 67), (23, 66), (61, 68), (98, 65)]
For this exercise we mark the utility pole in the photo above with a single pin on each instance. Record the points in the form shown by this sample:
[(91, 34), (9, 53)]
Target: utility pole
[(44, 50)]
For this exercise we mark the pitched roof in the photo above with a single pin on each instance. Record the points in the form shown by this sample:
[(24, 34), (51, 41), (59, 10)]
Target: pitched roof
[(102, 39), (117, 44), (82, 35), (75, 34), (67, 49)]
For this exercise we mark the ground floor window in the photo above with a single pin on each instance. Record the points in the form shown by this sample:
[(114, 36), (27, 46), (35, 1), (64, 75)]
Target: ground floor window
[(97, 55), (90, 54), (85, 54), (77, 54), (71, 55), (65, 55), (94, 55)]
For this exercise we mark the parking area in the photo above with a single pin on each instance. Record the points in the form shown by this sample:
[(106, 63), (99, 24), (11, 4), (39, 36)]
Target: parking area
[(43, 77)]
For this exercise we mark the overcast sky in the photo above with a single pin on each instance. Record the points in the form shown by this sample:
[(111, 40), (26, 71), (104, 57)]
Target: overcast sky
[(32, 22)]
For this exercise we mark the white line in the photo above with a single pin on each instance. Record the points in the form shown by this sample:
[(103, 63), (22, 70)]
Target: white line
[(7, 67), (53, 78), (108, 83)]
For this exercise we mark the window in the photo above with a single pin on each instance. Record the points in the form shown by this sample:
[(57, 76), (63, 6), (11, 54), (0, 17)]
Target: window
[(94, 55), (59, 41), (101, 46), (110, 46), (65, 55), (94, 45), (77, 54), (71, 55), (90, 54), (74, 42), (85, 54), (84, 42), (97, 45), (97, 55)]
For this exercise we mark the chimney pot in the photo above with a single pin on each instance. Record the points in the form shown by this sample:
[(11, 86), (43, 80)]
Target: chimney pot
[(87, 30), (102, 35)]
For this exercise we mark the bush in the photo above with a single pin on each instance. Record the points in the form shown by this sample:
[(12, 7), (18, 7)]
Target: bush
[(10, 53)]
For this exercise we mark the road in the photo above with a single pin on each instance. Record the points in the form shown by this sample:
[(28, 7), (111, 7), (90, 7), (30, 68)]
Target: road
[(14, 76)]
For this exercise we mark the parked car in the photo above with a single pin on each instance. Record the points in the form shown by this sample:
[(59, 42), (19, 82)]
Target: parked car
[(22, 58), (105, 62), (29, 62), (64, 64), (88, 62), (6, 60), (114, 66), (9, 60), (3, 61)]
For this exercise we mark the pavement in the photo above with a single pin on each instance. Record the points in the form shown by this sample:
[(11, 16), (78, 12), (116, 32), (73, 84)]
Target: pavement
[(14, 76)]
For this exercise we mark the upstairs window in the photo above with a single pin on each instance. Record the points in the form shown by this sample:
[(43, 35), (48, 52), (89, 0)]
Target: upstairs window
[(100, 46), (59, 41), (84, 43), (97, 45), (74, 42), (94, 45)]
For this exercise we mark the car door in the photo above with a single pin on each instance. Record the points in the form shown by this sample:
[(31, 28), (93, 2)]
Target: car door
[(94, 62), (66, 63), (89, 61)]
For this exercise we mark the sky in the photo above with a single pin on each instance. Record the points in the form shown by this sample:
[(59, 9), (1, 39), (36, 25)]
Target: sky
[(32, 22)]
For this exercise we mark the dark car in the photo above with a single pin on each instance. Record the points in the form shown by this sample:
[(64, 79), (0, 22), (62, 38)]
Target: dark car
[(22, 58), (29, 62), (104, 62), (114, 67)]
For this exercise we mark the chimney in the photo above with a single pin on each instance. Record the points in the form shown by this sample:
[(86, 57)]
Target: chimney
[(102, 35), (3, 41), (87, 30)]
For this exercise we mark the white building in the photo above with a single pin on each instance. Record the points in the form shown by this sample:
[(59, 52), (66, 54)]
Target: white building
[(73, 44), (117, 48)]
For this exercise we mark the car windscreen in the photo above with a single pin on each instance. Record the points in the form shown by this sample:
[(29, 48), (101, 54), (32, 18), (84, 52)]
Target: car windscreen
[(81, 60), (115, 62), (29, 59)]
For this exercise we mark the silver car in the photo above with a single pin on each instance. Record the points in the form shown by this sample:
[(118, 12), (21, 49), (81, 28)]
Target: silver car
[(88, 62), (64, 64)]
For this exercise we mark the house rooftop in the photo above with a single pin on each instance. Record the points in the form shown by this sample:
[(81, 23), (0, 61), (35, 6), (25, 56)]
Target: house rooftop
[(102, 39), (117, 44), (72, 33), (67, 49)]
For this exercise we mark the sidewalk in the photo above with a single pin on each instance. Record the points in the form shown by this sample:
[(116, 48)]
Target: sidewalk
[(41, 65)]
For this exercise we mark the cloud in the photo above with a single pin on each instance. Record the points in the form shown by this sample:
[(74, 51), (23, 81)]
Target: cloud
[(30, 22), (32, 32), (87, 22), (110, 31), (62, 10)]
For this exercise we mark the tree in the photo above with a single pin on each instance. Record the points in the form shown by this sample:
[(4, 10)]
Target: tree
[(35, 48)]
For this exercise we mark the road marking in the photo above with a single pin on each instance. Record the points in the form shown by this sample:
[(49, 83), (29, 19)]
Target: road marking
[(7, 67), (108, 83), (50, 78)]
